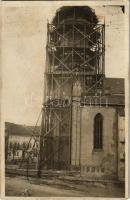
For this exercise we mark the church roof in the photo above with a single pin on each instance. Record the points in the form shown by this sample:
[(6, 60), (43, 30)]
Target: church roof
[(114, 90), (111, 94), (116, 85)]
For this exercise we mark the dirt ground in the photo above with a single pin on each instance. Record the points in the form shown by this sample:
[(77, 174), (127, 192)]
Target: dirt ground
[(20, 186)]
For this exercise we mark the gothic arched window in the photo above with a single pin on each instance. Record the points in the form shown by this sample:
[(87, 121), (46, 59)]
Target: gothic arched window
[(98, 131)]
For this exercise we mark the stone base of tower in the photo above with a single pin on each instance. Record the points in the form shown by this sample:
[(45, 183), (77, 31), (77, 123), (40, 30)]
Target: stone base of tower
[(57, 153)]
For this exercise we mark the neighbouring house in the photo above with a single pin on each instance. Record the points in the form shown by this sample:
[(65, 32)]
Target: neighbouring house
[(19, 140)]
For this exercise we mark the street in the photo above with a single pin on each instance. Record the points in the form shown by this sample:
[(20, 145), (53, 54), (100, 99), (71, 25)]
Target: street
[(20, 186)]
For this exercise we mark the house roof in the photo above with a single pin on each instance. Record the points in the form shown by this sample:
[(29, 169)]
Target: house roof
[(18, 129)]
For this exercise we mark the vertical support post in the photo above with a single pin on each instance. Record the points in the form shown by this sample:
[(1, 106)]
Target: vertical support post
[(80, 140), (90, 101), (84, 58), (58, 17), (103, 48), (63, 56), (40, 157), (70, 135), (76, 116), (100, 99), (106, 101), (48, 33)]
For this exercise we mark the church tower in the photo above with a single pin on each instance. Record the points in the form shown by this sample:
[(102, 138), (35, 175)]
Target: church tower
[(74, 73)]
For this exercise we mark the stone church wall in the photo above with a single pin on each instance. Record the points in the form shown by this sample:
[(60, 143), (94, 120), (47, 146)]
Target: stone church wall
[(94, 163)]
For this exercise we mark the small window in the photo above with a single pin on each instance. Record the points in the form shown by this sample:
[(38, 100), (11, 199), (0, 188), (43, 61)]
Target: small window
[(102, 170), (98, 128), (98, 169), (88, 169), (83, 168), (93, 169)]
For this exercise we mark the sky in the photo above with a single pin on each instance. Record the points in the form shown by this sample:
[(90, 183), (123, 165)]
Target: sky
[(23, 53)]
